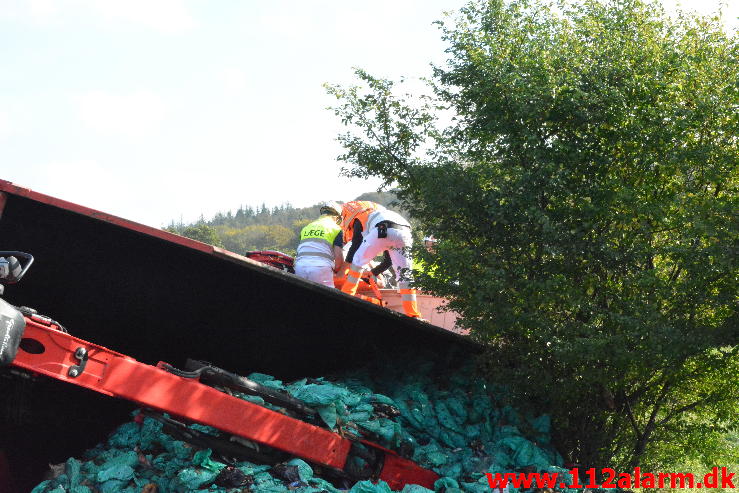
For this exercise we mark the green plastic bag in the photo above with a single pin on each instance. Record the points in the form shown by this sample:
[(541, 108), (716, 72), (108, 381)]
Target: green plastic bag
[(305, 470), (202, 459), (369, 487), (115, 472)]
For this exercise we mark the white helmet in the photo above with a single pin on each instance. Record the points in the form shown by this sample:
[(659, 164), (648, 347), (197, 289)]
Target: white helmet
[(331, 208)]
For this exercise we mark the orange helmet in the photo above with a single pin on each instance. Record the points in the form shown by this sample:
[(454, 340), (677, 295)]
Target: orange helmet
[(356, 209)]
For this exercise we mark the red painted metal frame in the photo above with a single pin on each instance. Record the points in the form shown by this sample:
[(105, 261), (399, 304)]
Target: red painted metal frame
[(397, 471), (117, 375)]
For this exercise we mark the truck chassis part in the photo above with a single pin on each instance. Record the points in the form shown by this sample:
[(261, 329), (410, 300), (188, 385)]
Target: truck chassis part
[(46, 350)]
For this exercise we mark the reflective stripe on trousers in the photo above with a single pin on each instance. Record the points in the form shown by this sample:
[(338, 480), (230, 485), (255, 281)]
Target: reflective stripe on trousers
[(352, 279), (408, 298)]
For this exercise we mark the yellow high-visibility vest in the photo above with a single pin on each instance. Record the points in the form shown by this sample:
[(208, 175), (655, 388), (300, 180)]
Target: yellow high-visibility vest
[(323, 229)]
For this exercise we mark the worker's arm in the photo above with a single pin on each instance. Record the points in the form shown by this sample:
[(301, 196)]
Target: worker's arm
[(338, 247), (356, 240), (384, 265), (338, 259)]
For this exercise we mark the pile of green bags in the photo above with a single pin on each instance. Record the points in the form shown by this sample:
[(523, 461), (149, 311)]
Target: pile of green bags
[(451, 424)]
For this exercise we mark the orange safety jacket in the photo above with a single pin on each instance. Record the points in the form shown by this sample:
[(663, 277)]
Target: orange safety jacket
[(356, 209)]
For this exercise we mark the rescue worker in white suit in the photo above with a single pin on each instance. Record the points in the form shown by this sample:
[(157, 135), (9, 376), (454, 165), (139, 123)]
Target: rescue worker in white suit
[(383, 231), (320, 252)]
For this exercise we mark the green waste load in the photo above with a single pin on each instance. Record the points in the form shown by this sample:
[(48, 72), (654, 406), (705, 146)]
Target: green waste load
[(453, 425)]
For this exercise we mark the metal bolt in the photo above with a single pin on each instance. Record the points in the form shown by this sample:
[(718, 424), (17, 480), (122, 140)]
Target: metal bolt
[(80, 353), (73, 372)]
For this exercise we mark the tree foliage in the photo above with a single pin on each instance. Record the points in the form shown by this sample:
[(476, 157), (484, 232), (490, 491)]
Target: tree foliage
[(578, 165), (257, 237), (200, 232)]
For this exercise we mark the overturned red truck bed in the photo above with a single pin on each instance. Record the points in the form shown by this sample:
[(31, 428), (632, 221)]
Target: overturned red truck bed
[(158, 296)]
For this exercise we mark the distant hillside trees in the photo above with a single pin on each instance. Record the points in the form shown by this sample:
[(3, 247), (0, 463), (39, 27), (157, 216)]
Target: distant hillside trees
[(256, 237), (261, 228)]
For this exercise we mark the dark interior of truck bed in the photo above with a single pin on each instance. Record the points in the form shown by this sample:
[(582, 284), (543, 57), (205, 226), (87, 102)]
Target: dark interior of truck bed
[(156, 300)]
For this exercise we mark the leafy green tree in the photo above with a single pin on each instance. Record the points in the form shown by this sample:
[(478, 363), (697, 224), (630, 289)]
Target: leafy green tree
[(200, 232), (578, 165)]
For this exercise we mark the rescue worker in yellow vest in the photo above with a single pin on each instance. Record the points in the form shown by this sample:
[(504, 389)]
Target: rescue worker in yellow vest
[(320, 252), (375, 230)]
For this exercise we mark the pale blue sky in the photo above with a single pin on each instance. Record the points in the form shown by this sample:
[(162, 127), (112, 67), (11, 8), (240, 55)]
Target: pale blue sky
[(156, 110)]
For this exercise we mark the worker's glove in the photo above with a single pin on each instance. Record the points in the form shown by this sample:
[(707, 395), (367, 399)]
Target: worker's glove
[(378, 280), (10, 268)]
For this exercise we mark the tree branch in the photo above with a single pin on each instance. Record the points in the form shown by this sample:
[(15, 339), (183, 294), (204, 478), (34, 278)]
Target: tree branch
[(690, 406), (651, 424), (634, 425)]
